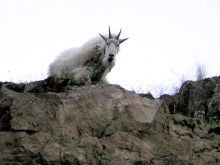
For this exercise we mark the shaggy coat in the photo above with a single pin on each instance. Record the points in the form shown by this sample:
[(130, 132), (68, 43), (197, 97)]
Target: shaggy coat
[(89, 63)]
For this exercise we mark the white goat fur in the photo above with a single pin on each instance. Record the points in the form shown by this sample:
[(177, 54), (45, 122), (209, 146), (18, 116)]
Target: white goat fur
[(86, 63)]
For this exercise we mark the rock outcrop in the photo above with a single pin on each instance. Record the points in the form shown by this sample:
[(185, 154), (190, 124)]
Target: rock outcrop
[(197, 98), (56, 122)]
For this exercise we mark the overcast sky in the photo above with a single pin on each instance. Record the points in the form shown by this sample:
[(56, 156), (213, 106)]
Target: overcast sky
[(167, 38)]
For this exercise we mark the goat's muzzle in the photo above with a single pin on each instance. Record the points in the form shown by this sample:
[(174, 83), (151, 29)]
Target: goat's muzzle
[(111, 58)]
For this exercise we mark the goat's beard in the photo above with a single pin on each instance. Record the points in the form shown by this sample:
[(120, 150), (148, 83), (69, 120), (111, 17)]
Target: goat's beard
[(110, 59), (107, 62)]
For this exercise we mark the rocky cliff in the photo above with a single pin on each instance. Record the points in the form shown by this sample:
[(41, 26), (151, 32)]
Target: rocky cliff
[(56, 122)]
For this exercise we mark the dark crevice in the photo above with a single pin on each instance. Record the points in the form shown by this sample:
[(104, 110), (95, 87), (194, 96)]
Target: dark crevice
[(140, 162), (16, 87), (5, 118), (27, 131), (103, 133), (214, 130), (107, 135), (165, 123), (60, 151)]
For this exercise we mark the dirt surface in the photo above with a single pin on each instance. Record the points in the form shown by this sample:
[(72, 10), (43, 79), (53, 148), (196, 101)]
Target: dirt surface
[(56, 122)]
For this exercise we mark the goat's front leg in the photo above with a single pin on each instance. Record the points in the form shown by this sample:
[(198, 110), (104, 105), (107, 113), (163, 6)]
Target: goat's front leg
[(104, 81)]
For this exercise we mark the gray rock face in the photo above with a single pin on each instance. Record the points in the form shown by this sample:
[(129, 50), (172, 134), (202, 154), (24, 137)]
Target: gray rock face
[(201, 96), (197, 98), (52, 123)]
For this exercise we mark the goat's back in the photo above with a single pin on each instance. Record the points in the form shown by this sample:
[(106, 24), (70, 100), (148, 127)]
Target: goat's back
[(75, 57)]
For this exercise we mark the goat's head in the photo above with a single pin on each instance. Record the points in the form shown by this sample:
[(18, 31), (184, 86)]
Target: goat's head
[(111, 46)]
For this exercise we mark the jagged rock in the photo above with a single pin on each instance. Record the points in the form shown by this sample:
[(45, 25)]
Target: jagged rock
[(148, 95), (200, 96), (171, 101), (51, 122), (197, 97)]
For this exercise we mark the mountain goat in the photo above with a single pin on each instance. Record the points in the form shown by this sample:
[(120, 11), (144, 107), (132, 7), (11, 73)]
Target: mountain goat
[(89, 63)]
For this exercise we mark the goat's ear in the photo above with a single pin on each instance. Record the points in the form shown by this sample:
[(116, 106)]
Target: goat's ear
[(122, 40), (105, 39)]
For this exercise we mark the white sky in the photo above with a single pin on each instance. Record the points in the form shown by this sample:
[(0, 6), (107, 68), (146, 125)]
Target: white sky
[(167, 38)]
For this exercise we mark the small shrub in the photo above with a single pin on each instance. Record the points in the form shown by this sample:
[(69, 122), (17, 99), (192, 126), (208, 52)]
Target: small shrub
[(201, 72)]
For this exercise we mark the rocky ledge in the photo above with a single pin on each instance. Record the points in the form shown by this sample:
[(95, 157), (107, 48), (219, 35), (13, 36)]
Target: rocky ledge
[(55, 122)]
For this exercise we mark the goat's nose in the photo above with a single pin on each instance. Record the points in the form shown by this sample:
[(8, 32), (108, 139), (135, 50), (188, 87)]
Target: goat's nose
[(111, 55)]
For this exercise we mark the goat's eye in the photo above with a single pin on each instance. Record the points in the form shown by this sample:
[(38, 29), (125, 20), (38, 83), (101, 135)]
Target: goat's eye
[(107, 43)]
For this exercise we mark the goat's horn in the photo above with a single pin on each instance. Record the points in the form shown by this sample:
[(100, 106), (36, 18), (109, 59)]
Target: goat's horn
[(122, 40), (103, 37), (110, 36), (117, 37)]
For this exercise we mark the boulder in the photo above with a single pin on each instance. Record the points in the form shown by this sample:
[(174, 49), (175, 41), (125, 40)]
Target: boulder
[(197, 98)]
